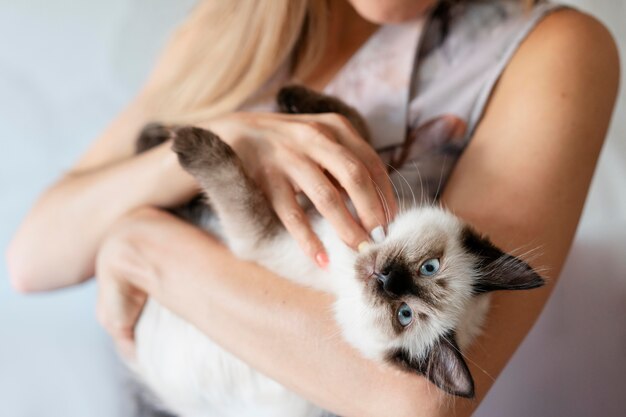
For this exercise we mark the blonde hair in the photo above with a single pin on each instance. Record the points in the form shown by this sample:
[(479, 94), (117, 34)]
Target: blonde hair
[(227, 50)]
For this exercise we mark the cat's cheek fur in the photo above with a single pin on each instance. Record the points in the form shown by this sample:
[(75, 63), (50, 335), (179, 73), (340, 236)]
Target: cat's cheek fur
[(363, 326), (472, 321)]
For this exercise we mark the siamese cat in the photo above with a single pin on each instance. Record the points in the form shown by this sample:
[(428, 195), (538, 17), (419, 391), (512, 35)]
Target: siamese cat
[(415, 299)]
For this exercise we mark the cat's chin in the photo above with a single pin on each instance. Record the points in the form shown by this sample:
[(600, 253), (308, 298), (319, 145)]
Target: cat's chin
[(364, 326)]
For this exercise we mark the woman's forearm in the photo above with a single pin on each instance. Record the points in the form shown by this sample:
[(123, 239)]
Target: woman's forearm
[(284, 330), (57, 242)]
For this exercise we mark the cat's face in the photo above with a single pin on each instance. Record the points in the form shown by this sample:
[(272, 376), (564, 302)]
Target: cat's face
[(415, 287), (419, 278)]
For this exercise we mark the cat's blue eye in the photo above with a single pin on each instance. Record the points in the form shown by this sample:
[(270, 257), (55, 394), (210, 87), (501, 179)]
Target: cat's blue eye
[(429, 267), (405, 315)]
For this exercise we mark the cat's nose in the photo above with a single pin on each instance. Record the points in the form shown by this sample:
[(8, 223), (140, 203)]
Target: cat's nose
[(394, 281), (383, 277), (386, 279)]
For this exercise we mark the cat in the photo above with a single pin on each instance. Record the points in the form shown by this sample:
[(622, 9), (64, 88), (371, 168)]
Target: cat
[(416, 299)]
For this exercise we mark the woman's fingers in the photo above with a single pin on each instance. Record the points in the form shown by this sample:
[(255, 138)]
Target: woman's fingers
[(355, 178), (381, 179), (361, 175), (283, 199), (327, 200), (350, 138), (119, 303), (118, 312)]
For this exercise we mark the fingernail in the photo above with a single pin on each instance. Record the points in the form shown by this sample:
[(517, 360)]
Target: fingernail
[(322, 259), (363, 246), (377, 234)]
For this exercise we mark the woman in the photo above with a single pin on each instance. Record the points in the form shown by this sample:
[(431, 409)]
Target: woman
[(523, 153)]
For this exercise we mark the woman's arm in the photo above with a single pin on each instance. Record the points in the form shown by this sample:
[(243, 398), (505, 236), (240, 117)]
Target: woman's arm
[(57, 242), (523, 180)]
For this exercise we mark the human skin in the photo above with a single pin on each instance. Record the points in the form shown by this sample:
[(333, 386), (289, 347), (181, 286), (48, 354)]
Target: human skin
[(522, 180)]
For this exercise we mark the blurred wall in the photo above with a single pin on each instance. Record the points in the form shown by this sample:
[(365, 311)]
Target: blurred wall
[(68, 66)]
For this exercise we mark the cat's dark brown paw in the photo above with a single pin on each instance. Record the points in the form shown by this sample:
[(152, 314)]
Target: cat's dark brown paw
[(198, 148), (297, 99), (152, 135)]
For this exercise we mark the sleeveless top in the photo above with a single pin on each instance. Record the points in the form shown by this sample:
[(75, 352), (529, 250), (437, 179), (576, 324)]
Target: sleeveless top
[(423, 92)]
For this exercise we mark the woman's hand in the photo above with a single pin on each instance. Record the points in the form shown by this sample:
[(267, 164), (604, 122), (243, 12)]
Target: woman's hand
[(119, 301), (320, 155)]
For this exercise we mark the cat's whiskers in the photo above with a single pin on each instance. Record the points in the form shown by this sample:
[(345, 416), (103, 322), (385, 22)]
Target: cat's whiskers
[(391, 181), (436, 195), (386, 210), (529, 253), (419, 176), (335, 335), (403, 178), (399, 197), (433, 391)]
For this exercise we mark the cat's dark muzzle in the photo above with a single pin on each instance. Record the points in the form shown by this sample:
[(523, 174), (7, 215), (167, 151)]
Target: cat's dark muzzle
[(393, 281), (384, 280)]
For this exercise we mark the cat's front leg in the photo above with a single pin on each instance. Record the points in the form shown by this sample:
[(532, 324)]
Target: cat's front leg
[(245, 215)]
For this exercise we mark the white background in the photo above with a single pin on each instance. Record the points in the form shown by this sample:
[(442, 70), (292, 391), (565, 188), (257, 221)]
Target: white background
[(68, 66)]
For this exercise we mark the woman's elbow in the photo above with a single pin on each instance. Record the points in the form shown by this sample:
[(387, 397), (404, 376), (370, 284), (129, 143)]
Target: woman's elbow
[(22, 276), (33, 268)]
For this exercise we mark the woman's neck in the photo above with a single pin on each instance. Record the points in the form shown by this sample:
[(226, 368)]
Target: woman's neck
[(347, 32)]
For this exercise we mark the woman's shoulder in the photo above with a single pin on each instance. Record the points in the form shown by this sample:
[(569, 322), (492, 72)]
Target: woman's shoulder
[(576, 37), (567, 67), (569, 51)]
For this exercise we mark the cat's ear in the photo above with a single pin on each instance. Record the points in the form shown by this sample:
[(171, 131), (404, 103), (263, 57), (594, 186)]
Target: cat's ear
[(443, 365), (498, 270)]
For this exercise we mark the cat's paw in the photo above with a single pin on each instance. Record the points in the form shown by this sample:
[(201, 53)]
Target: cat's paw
[(198, 148), (297, 99), (152, 135)]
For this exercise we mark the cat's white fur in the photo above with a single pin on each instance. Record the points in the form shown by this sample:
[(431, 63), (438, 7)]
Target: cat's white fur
[(194, 377)]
